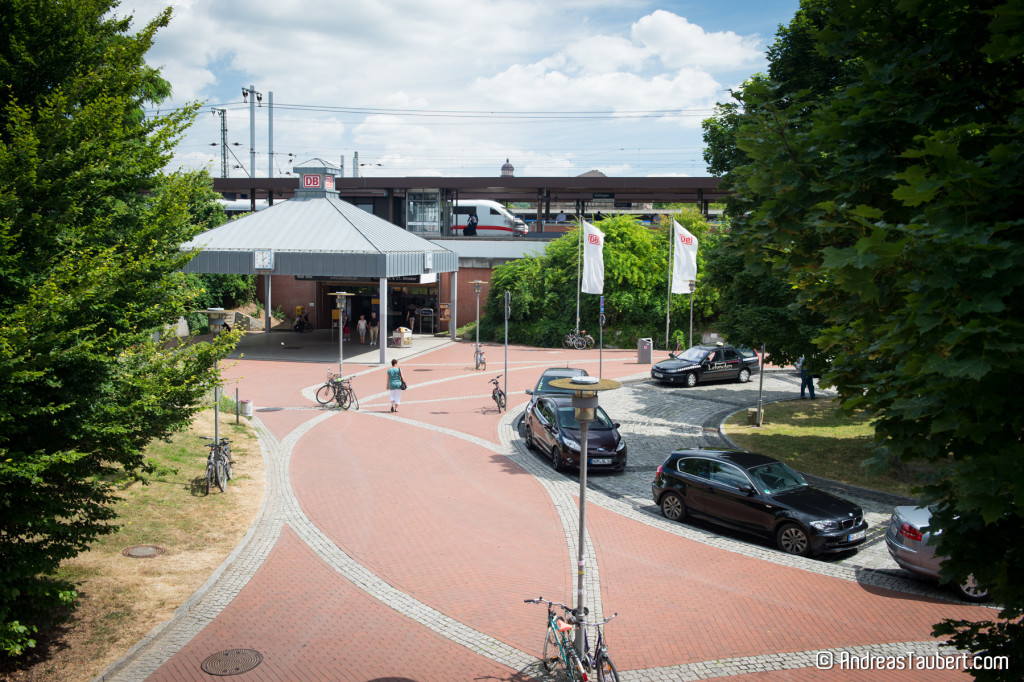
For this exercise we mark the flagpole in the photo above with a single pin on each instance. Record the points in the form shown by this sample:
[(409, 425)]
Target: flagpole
[(668, 304), (579, 250)]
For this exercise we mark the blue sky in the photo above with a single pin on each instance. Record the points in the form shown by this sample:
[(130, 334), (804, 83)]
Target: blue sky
[(454, 87)]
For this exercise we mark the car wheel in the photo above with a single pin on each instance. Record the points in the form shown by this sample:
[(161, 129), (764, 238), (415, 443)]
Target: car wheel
[(792, 539), (970, 590), (556, 459), (691, 379), (744, 376), (529, 437), (672, 507)]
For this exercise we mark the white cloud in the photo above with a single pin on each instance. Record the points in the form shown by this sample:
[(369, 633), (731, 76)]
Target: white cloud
[(478, 55), (680, 44)]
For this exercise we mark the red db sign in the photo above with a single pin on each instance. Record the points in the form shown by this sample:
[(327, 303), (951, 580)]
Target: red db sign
[(686, 239), (593, 239), (311, 181)]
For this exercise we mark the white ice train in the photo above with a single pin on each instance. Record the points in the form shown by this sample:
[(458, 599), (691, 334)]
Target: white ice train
[(494, 220)]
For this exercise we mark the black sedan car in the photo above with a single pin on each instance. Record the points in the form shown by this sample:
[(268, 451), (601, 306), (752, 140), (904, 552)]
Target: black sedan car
[(757, 494), (707, 363), (551, 427)]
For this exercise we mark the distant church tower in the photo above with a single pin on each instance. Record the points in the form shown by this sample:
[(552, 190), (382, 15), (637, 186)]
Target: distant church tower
[(507, 170)]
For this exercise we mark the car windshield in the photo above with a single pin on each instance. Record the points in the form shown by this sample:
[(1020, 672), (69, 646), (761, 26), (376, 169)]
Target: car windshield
[(544, 385), (694, 354), (567, 418), (776, 477)]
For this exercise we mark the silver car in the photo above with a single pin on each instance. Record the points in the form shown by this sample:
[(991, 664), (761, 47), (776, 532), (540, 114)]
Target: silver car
[(908, 544)]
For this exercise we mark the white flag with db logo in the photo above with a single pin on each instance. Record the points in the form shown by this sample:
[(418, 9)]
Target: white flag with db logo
[(593, 260), (684, 261)]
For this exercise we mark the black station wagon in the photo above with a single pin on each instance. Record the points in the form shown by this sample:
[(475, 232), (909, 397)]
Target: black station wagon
[(760, 495), (707, 363)]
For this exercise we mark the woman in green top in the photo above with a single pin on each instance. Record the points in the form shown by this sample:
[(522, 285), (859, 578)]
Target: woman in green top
[(395, 384)]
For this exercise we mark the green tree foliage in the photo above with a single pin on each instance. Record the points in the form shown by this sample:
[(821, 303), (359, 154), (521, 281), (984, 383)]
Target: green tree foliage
[(543, 288), (90, 266), (892, 203)]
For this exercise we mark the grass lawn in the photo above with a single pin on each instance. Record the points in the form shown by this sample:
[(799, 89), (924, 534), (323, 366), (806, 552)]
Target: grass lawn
[(122, 598), (813, 437)]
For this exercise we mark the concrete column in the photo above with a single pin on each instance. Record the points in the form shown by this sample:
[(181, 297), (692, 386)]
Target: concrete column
[(453, 325)]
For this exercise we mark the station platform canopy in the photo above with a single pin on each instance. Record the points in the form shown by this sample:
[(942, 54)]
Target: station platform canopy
[(316, 233)]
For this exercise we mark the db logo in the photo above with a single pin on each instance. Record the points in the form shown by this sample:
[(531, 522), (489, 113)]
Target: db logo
[(593, 239), (329, 181), (686, 240), (311, 181)]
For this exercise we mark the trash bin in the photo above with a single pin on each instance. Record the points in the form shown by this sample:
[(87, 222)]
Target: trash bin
[(644, 351), (402, 337), (246, 406)]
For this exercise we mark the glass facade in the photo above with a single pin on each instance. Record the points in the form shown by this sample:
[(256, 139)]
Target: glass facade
[(423, 211)]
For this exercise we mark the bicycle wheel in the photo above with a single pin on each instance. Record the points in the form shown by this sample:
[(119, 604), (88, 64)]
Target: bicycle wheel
[(590, 341), (577, 671), (344, 398), (218, 474), (352, 398), (325, 394), (499, 398), (552, 655), (606, 671), (579, 343), (209, 476), (567, 341), (228, 469)]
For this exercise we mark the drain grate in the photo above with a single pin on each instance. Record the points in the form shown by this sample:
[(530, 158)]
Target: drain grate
[(232, 662), (143, 551)]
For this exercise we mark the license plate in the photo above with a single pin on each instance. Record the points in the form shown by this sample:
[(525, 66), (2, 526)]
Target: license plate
[(658, 374), (853, 537), (606, 460)]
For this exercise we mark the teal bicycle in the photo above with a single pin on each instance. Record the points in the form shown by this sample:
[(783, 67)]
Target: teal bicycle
[(560, 649)]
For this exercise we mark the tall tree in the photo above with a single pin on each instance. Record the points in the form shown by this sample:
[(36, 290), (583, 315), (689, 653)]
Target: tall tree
[(90, 230), (892, 203)]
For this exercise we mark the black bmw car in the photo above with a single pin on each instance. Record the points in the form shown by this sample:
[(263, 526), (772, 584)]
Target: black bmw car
[(551, 427), (707, 363), (760, 495)]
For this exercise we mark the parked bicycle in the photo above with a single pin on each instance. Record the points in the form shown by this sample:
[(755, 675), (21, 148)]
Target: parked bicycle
[(578, 338), (303, 325), (498, 395), (218, 463), (337, 390), (560, 650), (479, 359)]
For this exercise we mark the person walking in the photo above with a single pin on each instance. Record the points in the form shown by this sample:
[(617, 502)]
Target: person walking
[(806, 377), (395, 382), (374, 329), (361, 327)]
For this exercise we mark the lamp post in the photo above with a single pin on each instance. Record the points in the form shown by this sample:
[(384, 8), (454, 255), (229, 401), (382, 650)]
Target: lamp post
[(477, 286), (584, 400), (341, 330)]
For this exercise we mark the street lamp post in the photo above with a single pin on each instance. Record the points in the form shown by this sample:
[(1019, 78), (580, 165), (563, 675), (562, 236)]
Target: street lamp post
[(584, 400), (477, 286), (341, 330)]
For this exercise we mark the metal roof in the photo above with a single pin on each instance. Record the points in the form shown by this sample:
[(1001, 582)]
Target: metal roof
[(317, 233)]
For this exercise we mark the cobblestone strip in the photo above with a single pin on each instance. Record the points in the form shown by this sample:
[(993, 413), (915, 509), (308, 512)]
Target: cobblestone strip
[(835, 660), (562, 490), (224, 584)]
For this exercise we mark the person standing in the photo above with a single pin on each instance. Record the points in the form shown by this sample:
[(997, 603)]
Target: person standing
[(374, 329), (395, 382), (470, 230), (806, 377), (361, 327)]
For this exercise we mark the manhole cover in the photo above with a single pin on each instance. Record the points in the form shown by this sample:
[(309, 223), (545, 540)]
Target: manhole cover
[(143, 551), (232, 662)]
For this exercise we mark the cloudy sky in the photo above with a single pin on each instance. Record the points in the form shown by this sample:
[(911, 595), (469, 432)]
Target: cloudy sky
[(454, 87)]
